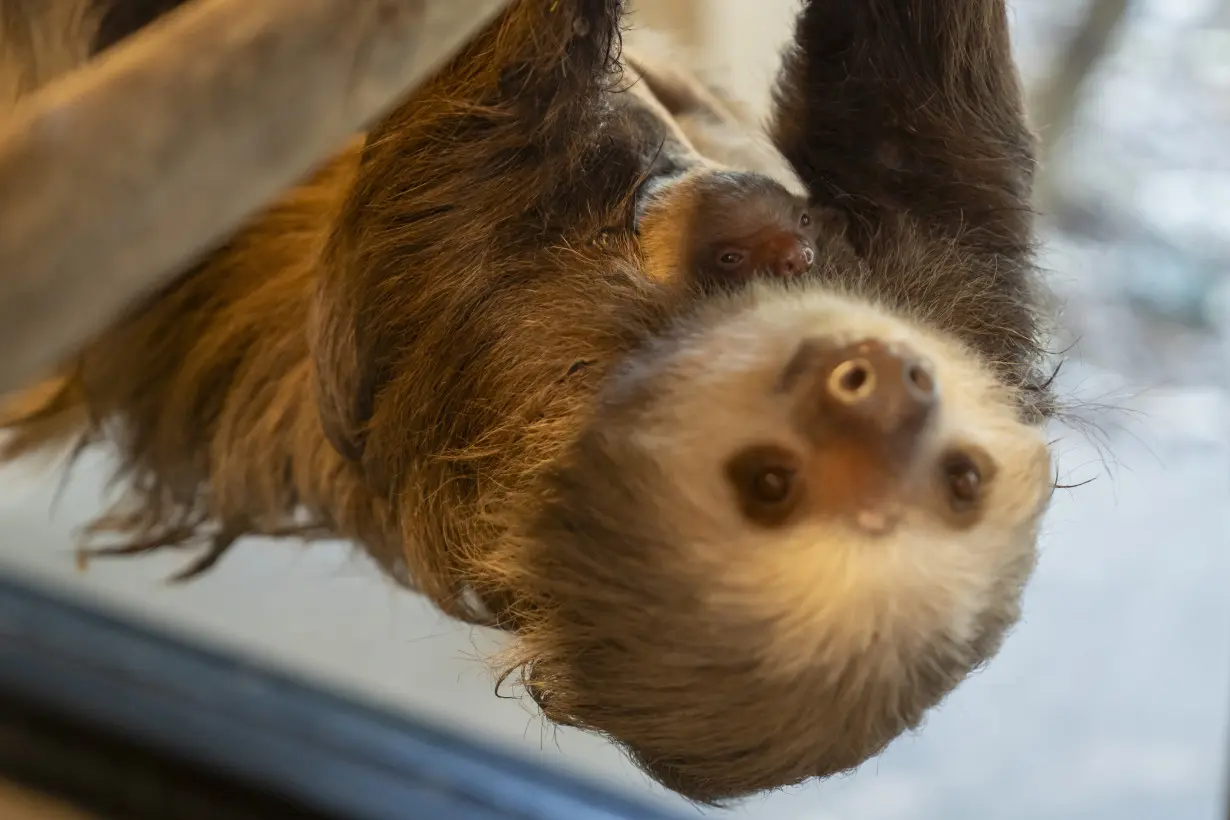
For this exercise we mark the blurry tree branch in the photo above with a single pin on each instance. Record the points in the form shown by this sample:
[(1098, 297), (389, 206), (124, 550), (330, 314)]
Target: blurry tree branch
[(1057, 98)]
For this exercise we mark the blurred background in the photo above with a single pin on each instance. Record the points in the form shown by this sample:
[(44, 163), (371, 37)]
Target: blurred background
[(1112, 698)]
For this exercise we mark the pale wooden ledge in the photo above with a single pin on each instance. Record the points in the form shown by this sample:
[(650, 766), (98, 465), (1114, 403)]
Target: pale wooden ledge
[(117, 175)]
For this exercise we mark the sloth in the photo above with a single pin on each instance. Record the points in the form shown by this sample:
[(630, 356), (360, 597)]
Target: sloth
[(716, 228), (750, 534)]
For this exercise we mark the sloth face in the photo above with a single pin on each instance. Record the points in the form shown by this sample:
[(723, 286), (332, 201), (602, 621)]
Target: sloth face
[(721, 228), (791, 529), (747, 225), (872, 475)]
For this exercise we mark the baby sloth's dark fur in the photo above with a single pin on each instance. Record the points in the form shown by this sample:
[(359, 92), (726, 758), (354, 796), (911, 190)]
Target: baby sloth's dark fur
[(405, 350)]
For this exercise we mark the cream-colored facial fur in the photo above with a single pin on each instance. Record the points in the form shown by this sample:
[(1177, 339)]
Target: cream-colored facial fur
[(828, 593)]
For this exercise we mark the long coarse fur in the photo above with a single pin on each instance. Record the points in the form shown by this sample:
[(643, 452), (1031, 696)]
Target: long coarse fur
[(39, 40), (402, 349)]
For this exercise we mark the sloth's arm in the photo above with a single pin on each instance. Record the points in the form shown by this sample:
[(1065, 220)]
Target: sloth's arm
[(890, 107), (907, 117), (460, 194)]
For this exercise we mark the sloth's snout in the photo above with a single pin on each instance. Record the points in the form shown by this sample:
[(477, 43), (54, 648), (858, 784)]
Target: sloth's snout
[(787, 255), (880, 395), (871, 384), (865, 406)]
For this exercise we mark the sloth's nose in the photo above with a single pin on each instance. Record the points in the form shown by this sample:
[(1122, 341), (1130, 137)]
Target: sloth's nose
[(781, 254), (881, 388), (791, 258), (865, 406)]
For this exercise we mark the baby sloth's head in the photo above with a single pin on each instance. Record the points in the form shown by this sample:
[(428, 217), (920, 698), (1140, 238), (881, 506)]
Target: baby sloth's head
[(791, 528), (717, 227)]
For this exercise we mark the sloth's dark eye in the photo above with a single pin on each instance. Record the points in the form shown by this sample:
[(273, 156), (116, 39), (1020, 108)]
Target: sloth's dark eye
[(804, 220), (772, 485), (767, 482), (963, 479), (731, 259)]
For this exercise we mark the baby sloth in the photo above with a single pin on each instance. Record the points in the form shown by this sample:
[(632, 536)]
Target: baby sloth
[(721, 227), (701, 222)]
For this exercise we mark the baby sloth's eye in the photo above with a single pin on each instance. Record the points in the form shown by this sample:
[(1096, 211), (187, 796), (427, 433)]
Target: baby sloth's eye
[(767, 483), (805, 220), (731, 259)]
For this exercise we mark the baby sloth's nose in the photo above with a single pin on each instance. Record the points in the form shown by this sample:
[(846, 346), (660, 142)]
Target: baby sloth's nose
[(793, 259), (881, 388), (786, 255)]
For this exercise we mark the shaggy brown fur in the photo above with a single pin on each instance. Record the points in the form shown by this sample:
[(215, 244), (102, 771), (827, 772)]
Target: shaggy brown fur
[(444, 346), (40, 40)]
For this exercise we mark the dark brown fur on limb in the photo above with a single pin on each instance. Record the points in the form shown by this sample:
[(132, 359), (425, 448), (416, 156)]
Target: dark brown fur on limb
[(445, 347)]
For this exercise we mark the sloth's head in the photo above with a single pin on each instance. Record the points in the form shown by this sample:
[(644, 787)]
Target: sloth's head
[(792, 528), (724, 227)]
